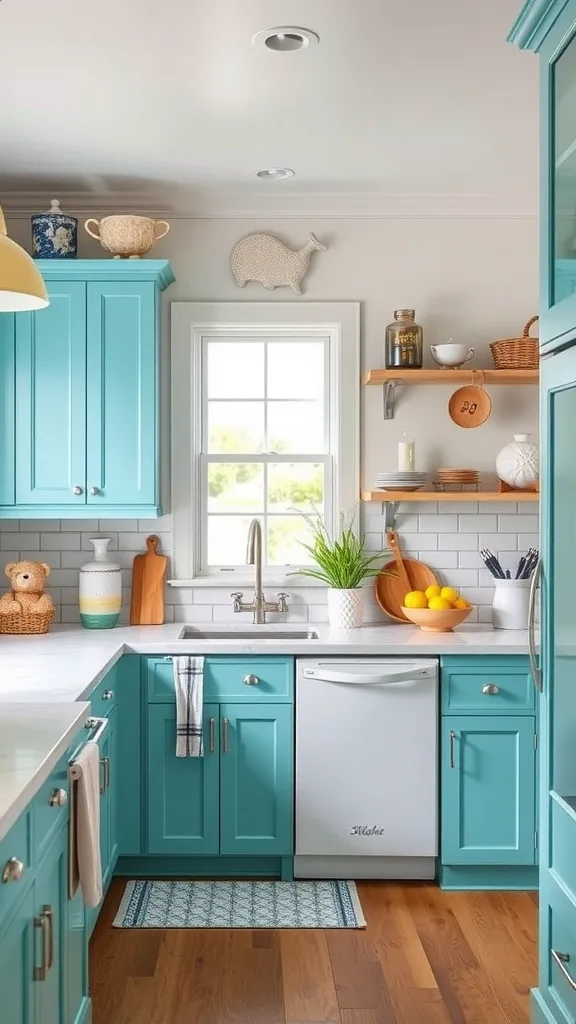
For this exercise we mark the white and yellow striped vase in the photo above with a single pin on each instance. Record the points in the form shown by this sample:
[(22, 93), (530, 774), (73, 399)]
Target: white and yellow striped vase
[(100, 587)]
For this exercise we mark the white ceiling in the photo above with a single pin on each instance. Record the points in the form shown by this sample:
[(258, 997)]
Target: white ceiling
[(404, 103)]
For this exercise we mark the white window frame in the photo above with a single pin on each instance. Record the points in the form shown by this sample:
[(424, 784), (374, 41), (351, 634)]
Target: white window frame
[(192, 323)]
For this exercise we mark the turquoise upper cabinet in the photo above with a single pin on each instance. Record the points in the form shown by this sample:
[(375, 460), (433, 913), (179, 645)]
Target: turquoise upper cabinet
[(256, 779), (122, 432), (86, 373), (549, 28), (7, 408), (51, 406)]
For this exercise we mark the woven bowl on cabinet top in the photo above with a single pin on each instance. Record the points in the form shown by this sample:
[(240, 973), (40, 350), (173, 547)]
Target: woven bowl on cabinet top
[(517, 353)]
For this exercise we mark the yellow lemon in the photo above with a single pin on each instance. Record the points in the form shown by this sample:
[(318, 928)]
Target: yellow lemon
[(416, 599), (461, 602), (433, 591), (439, 604), (449, 594)]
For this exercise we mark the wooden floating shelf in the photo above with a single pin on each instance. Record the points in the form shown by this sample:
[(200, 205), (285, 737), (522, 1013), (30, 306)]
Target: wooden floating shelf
[(451, 376), (396, 496)]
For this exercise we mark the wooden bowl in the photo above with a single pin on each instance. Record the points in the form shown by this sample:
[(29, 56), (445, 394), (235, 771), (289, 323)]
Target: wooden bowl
[(441, 621)]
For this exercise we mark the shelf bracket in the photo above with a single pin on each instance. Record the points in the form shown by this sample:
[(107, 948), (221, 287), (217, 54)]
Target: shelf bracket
[(389, 399), (390, 513)]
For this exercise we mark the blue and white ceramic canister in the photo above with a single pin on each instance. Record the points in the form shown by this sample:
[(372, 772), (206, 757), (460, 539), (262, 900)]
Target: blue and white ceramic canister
[(54, 234), (100, 589)]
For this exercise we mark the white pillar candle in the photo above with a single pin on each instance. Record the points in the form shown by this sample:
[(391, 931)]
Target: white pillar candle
[(406, 456)]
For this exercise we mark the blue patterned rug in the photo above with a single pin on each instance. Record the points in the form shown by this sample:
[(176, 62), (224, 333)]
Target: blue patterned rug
[(240, 905)]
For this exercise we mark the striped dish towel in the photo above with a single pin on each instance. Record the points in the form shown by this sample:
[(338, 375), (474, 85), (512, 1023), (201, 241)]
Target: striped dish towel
[(189, 684)]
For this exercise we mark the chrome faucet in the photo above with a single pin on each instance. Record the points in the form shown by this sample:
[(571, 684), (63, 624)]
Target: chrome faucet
[(259, 605)]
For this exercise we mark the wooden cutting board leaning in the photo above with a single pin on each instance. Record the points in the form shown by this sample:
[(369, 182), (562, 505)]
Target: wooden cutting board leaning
[(147, 597)]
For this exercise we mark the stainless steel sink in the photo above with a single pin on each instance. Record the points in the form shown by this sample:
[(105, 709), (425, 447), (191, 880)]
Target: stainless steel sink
[(257, 633)]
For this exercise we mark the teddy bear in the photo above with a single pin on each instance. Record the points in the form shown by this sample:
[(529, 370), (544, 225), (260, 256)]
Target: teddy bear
[(27, 595)]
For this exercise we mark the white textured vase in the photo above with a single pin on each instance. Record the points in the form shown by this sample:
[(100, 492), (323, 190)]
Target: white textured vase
[(511, 604), (100, 587), (345, 608), (518, 463)]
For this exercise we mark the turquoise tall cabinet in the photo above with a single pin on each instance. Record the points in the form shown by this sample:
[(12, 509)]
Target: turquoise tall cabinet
[(549, 28), (79, 393)]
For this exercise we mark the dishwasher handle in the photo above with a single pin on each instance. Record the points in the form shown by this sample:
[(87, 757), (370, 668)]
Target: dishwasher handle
[(331, 675)]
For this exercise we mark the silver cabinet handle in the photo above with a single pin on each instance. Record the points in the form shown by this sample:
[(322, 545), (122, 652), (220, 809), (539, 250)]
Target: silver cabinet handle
[(77, 489), (58, 798), (226, 724), (94, 491), (108, 694), (12, 870), (49, 913), (251, 680), (452, 738), (561, 959), (491, 689), (44, 923), (212, 723), (105, 764), (536, 673)]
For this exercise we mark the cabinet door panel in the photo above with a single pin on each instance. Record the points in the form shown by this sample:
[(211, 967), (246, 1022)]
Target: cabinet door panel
[(256, 781), (183, 792), (122, 394), (50, 892), (16, 965), (488, 790), (7, 407), (51, 407)]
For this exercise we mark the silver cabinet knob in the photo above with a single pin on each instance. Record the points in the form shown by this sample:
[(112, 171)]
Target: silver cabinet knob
[(58, 798), (12, 870), (251, 680), (491, 689), (94, 491), (108, 694), (77, 489)]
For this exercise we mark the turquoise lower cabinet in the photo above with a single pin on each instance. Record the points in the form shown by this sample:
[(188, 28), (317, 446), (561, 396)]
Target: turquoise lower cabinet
[(183, 792), (488, 791), (50, 928), (109, 800), (256, 779), (17, 965), (77, 1000)]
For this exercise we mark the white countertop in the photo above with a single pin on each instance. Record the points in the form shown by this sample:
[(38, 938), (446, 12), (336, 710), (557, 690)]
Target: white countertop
[(33, 738), (41, 675), (67, 663)]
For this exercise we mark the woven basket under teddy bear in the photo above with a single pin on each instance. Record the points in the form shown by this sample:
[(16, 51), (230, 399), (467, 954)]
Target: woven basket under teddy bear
[(21, 623), (517, 353)]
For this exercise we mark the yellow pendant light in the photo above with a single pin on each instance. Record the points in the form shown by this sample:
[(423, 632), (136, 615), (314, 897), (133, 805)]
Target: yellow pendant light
[(21, 284)]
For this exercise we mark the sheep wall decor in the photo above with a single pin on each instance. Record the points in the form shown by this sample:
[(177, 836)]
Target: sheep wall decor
[(264, 258)]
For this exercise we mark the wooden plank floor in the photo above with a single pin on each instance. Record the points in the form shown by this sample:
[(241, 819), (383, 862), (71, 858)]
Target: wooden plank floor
[(426, 957)]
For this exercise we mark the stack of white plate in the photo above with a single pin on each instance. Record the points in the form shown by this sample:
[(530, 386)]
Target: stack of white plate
[(399, 481)]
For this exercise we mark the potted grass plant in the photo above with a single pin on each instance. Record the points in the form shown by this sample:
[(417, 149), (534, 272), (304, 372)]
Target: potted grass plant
[(343, 564)]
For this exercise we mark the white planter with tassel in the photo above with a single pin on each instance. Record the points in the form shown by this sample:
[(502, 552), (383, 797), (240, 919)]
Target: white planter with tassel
[(345, 608)]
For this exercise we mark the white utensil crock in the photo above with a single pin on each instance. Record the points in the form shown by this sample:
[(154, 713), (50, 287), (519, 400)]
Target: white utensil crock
[(345, 608), (510, 605)]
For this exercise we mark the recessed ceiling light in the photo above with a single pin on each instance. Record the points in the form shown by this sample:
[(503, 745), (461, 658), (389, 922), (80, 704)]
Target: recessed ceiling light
[(285, 38), (276, 173)]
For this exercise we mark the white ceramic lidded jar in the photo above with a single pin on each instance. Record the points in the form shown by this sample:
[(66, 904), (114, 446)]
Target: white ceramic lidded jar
[(100, 587), (518, 463)]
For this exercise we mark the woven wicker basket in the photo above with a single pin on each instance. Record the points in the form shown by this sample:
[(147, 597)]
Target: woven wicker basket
[(19, 623), (517, 353)]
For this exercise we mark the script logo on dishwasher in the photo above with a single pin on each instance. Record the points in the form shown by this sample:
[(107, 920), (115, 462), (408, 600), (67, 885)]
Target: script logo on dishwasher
[(366, 830)]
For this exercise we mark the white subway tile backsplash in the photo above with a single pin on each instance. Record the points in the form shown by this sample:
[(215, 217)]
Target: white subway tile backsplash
[(528, 540), (414, 542), (9, 525), (477, 523), (480, 595), (495, 507), (469, 559), (118, 526), (499, 541), (513, 524), (439, 559), (458, 506), (131, 542), (406, 523), (52, 558), (458, 541), (89, 526), (75, 559), (192, 613), (87, 538), (485, 613), (11, 541), (528, 508), (59, 541), (463, 578), (38, 525), (438, 523)]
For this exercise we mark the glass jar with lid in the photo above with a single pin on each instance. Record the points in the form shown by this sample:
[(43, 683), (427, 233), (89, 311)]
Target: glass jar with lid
[(404, 345)]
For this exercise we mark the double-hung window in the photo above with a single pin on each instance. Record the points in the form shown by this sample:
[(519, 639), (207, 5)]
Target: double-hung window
[(273, 424)]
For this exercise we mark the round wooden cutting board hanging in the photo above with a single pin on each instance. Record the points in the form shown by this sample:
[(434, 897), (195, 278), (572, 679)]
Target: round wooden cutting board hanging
[(471, 405)]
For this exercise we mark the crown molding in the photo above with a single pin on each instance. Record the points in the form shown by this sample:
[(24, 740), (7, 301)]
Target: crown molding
[(534, 22), (246, 205)]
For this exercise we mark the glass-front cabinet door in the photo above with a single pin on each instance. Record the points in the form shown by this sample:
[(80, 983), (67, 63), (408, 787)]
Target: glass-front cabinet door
[(558, 205), (559, 573)]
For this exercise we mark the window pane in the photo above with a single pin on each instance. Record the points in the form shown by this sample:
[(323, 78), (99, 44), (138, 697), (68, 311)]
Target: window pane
[(284, 536), (295, 485), (296, 369), (227, 537), (235, 487), (235, 428), (235, 369), (295, 427)]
